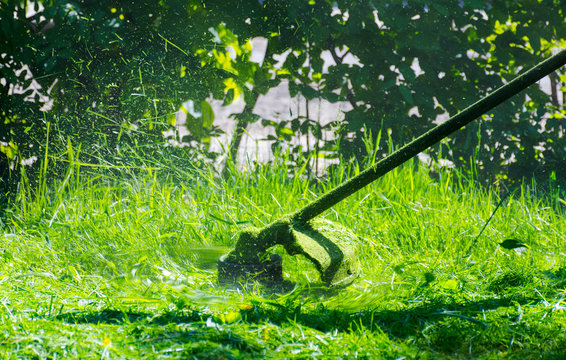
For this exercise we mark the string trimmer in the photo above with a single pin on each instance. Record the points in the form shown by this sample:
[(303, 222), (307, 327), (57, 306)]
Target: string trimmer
[(331, 247)]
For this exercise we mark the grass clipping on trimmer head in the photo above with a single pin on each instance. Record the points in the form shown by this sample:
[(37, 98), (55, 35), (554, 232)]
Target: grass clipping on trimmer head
[(331, 247)]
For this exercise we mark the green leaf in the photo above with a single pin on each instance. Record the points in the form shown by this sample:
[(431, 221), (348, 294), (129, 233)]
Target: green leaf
[(267, 122), (407, 72), (286, 131), (194, 125), (293, 89), (207, 114), (511, 244), (248, 117), (295, 124), (229, 98), (308, 92), (472, 34), (406, 93)]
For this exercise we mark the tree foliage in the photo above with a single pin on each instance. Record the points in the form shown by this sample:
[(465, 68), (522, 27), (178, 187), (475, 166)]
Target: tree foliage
[(116, 73), (419, 61)]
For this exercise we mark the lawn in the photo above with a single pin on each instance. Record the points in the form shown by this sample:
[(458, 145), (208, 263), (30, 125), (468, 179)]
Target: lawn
[(123, 266)]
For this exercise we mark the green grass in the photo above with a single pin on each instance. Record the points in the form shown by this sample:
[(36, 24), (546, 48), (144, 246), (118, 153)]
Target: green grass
[(123, 267)]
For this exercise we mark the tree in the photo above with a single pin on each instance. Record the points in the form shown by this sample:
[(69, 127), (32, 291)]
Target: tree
[(116, 74), (416, 62)]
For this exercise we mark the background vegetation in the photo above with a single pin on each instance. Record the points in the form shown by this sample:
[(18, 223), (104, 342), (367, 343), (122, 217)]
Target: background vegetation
[(111, 76)]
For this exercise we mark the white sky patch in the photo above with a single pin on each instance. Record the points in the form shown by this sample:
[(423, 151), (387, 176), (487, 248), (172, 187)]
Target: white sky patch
[(416, 67), (259, 48), (380, 24), (30, 8), (414, 111), (280, 58), (231, 52), (215, 33)]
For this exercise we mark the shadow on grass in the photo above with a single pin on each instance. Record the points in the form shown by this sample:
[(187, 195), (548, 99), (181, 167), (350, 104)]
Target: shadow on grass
[(446, 328), (399, 323), (186, 333), (120, 317)]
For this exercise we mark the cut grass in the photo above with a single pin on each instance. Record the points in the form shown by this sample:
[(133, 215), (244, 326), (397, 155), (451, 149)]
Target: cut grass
[(102, 267)]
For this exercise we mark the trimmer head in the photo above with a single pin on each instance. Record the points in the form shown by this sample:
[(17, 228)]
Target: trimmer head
[(269, 271), (331, 247)]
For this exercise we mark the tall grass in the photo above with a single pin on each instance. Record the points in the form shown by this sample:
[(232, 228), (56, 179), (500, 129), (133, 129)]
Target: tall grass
[(105, 224), (145, 239)]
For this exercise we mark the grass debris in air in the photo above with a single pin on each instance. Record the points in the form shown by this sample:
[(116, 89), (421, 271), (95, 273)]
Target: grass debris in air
[(124, 268)]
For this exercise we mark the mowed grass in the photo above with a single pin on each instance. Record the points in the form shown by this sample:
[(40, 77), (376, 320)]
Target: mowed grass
[(124, 267)]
